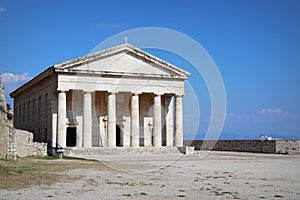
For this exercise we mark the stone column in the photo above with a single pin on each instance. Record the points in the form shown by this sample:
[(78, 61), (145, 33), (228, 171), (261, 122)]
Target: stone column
[(87, 119), (178, 142), (79, 129), (54, 130), (111, 120), (135, 120), (169, 120), (157, 121), (62, 120)]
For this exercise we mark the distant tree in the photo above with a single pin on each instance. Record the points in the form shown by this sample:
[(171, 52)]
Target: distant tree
[(9, 116), (8, 106)]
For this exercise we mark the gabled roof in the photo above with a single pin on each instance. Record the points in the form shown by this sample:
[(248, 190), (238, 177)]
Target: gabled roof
[(72, 66), (69, 66)]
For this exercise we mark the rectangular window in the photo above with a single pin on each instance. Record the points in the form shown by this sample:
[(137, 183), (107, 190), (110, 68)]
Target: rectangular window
[(16, 115), (46, 105), (28, 111), (20, 114), (33, 109), (39, 107), (45, 135), (23, 114), (39, 135)]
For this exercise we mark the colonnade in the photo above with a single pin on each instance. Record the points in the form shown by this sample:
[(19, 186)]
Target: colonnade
[(174, 128)]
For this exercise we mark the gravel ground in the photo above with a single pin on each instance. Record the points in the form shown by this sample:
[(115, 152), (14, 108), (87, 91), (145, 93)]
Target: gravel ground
[(206, 175)]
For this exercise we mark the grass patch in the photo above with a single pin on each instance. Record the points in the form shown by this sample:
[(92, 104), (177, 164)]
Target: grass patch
[(46, 170)]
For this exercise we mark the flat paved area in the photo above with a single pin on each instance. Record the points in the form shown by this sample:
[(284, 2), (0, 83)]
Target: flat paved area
[(206, 175)]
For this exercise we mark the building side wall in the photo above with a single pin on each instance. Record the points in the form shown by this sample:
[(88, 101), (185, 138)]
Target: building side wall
[(34, 108)]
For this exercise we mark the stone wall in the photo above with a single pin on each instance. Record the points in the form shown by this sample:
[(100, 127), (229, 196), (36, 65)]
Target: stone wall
[(3, 141), (19, 143), (288, 146), (256, 146)]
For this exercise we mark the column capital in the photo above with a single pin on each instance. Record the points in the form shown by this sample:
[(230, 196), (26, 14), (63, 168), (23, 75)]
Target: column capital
[(87, 91), (61, 91), (179, 95), (158, 94)]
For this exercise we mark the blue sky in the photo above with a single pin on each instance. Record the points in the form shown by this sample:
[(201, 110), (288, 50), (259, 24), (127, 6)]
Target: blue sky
[(255, 45)]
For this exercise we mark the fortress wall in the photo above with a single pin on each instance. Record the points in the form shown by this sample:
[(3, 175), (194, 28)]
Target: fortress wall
[(256, 146)]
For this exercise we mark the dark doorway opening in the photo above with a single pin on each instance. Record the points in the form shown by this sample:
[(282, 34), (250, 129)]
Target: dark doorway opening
[(71, 136), (118, 136)]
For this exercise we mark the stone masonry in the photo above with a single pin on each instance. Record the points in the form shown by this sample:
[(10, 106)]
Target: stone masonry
[(256, 146), (18, 143)]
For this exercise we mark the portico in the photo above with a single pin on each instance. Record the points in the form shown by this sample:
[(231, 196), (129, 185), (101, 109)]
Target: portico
[(126, 120)]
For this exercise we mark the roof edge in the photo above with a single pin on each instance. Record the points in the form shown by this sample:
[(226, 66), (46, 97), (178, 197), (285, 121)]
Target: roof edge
[(33, 81), (126, 46)]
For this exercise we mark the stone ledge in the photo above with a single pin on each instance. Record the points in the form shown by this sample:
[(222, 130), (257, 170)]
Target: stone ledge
[(73, 151), (187, 150)]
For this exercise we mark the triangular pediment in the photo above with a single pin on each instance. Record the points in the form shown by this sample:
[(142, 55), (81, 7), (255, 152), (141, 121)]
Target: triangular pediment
[(123, 59)]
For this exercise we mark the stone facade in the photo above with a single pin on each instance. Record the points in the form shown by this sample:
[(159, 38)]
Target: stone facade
[(18, 143), (256, 146), (120, 96)]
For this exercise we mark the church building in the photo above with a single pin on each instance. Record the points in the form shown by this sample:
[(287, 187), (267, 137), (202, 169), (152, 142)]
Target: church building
[(117, 97)]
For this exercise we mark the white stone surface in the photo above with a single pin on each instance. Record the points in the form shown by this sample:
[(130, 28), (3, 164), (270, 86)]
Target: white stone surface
[(148, 128), (178, 142), (135, 128), (87, 119), (79, 131), (61, 119), (169, 120), (54, 130), (126, 131), (103, 131), (157, 121), (111, 120)]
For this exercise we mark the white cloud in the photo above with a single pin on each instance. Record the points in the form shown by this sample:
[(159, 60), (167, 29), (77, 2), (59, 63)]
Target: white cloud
[(9, 78), (270, 110), (11, 82), (3, 10)]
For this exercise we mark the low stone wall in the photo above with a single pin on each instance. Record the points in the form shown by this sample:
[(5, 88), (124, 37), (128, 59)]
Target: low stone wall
[(18, 143), (4, 131), (256, 146)]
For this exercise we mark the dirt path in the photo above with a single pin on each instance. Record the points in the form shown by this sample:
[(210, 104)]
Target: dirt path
[(218, 175)]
